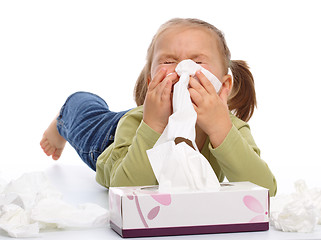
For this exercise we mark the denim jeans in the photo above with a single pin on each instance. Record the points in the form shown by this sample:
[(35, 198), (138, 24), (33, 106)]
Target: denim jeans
[(86, 122)]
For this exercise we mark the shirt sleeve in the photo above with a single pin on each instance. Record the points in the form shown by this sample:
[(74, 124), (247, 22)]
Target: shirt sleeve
[(126, 163), (239, 159)]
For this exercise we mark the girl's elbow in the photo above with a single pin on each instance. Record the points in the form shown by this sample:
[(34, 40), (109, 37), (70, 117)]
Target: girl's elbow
[(273, 188)]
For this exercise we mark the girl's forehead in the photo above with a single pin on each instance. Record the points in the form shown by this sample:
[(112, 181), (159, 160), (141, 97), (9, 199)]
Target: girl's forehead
[(192, 37), (177, 30), (171, 34)]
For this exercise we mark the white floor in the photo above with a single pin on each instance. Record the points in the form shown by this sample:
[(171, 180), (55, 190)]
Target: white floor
[(78, 185)]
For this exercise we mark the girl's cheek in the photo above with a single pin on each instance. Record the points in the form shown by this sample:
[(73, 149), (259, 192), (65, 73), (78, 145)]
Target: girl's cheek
[(213, 70), (170, 68), (207, 67)]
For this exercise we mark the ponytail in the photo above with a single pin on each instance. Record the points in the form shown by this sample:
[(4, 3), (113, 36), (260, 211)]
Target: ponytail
[(242, 99)]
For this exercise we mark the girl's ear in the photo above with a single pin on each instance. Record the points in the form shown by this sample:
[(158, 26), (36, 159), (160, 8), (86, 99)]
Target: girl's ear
[(227, 82)]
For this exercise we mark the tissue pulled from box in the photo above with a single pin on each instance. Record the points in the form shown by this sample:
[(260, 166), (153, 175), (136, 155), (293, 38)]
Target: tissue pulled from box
[(175, 159), (297, 212), (30, 203)]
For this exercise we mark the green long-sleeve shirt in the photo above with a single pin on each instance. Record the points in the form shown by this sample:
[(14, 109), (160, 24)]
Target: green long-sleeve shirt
[(125, 162)]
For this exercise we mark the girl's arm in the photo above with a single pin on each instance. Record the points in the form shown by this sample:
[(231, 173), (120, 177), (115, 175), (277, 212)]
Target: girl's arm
[(231, 142), (125, 162), (239, 158)]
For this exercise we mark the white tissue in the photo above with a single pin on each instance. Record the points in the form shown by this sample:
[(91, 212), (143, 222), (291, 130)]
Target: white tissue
[(189, 66), (63, 215), (30, 203), (297, 212), (178, 167)]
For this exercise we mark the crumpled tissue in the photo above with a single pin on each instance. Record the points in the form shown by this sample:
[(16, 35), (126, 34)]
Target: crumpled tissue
[(297, 212), (175, 159), (30, 203)]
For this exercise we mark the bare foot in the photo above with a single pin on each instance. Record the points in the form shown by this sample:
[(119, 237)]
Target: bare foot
[(52, 142)]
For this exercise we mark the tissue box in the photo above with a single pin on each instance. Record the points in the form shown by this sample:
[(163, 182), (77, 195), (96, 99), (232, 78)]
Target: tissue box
[(145, 212)]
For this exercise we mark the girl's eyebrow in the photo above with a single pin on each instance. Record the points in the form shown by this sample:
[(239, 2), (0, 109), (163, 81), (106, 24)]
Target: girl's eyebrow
[(162, 56), (166, 56), (202, 56)]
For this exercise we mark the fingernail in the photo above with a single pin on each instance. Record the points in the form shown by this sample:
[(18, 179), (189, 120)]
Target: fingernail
[(169, 74)]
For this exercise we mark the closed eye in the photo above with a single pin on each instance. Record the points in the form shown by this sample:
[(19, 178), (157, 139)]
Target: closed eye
[(199, 62), (168, 62)]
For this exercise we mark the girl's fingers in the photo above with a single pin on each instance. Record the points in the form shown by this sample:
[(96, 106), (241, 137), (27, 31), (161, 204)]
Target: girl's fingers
[(197, 86), (195, 107), (160, 75), (166, 93), (195, 96), (208, 86), (165, 87), (173, 77)]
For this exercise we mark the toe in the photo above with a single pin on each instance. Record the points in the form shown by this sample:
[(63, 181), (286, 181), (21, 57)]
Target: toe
[(44, 144), (43, 140), (50, 151), (56, 155)]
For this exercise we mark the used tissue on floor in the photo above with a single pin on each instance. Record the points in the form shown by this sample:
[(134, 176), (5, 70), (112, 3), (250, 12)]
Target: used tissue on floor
[(297, 212), (189, 198), (30, 204)]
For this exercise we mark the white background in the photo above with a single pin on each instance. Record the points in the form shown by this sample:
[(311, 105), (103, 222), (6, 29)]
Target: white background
[(50, 49)]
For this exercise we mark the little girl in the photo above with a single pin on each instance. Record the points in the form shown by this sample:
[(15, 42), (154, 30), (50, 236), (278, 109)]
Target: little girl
[(114, 144)]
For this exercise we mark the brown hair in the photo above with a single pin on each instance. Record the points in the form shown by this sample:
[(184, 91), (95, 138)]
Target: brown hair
[(242, 99)]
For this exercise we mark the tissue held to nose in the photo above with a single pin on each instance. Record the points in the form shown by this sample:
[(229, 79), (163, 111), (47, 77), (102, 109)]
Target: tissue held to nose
[(175, 159), (190, 67)]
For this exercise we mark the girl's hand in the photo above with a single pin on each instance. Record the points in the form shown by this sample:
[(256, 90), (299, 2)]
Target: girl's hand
[(158, 100), (212, 110)]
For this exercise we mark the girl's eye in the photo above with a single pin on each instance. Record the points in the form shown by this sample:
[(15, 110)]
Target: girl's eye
[(199, 62), (168, 62)]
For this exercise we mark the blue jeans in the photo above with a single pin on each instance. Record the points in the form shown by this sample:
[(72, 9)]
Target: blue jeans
[(86, 122)]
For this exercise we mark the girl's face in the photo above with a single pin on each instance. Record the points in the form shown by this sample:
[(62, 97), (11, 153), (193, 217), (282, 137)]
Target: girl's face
[(179, 43)]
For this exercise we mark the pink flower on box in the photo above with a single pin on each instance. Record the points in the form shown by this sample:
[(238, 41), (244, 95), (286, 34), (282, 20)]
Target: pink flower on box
[(162, 199), (254, 205)]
